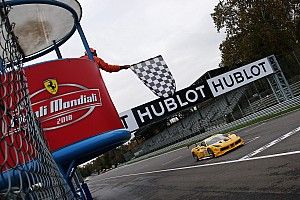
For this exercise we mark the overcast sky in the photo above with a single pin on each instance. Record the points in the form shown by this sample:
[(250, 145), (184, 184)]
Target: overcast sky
[(127, 32)]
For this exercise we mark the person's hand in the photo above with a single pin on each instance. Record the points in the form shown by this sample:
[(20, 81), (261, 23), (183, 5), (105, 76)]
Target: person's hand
[(125, 66)]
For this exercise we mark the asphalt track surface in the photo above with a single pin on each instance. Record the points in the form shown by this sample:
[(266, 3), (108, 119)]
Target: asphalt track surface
[(266, 167)]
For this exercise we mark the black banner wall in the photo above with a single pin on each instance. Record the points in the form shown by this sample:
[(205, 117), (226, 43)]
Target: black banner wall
[(161, 108)]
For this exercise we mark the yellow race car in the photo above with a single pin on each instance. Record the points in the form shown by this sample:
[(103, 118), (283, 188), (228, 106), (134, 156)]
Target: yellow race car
[(216, 145)]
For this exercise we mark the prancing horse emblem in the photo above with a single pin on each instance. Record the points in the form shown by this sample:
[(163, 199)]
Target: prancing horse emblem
[(51, 85)]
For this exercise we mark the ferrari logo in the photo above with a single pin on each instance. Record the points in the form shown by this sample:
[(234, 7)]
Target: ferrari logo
[(51, 85)]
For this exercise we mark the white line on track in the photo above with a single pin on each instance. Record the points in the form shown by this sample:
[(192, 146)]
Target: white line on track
[(205, 165), (271, 143), (172, 160), (251, 140)]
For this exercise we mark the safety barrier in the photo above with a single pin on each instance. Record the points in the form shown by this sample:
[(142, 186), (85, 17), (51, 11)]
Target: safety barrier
[(295, 87)]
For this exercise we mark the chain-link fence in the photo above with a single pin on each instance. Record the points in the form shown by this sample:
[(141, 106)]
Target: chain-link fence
[(27, 169)]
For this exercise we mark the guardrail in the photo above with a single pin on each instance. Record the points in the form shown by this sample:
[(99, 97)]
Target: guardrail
[(224, 127), (295, 87)]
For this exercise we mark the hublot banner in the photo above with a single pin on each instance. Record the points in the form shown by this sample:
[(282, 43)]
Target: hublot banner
[(239, 77), (161, 108)]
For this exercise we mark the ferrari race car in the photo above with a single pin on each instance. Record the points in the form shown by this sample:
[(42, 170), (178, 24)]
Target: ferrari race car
[(216, 145)]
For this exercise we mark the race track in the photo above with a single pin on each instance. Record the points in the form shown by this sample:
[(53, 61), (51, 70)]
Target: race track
[(267, 167)]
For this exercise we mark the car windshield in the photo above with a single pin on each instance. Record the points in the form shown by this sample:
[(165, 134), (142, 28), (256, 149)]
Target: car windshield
[(215, 139)]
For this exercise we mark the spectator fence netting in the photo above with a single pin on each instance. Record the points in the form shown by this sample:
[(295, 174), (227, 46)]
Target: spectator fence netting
[(27, 168)]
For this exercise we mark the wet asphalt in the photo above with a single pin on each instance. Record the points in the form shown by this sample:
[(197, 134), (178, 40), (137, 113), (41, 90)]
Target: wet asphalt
[(273, 172)]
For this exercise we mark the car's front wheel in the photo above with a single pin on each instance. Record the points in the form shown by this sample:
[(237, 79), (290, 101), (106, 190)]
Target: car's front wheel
[(211, 153), (195, 158)]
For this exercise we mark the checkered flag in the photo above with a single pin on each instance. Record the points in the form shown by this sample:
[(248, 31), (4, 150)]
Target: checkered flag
[(156, 75)]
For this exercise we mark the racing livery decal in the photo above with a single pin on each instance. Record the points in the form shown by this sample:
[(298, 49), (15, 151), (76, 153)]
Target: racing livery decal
[(51, 86)]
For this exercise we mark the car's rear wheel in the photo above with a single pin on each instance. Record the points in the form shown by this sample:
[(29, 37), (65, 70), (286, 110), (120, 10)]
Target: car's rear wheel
[(195, 158), (211, 153)]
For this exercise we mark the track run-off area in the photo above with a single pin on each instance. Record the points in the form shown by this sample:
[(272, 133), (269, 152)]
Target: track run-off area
[(266, 167)]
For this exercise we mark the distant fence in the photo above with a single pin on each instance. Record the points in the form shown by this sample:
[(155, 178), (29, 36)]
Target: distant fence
[(27, 169)]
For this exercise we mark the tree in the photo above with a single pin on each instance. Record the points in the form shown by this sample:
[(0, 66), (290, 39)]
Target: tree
[(256, 29)]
